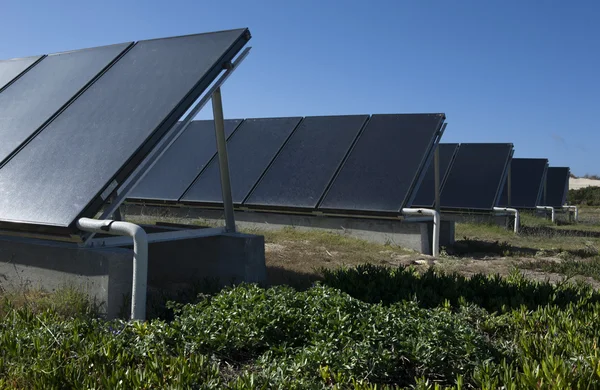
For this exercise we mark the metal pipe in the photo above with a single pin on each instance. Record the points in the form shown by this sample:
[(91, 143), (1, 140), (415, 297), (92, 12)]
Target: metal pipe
[(217, 104), (575, 211), (140, 257), (436, 226), (551, 210), (515, 212)]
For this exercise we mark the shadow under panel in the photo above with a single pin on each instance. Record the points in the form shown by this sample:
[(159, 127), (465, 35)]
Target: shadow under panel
[(527, 183), (251, 149), (557, 186), (476, 176), (426, 193), (40, 93), (70, 168), (9, 69), (384, 165), (177, 168), (307, 163)]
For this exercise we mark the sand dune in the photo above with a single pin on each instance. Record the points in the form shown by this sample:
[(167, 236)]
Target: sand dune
[(575, 184)]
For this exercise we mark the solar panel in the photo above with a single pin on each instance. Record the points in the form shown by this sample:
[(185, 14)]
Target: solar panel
[(9, 69), (175, 171), (476, 177), (306, 164), (384, 165), (426, 193), (527, 183), (251, 149), (70, 168), (36, 96), (557, 186)]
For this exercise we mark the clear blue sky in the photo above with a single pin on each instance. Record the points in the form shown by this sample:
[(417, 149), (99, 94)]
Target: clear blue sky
[(526, 72)]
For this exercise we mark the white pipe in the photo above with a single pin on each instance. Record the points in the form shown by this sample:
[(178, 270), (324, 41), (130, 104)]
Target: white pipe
[(575, 211), (516, 214), (436, 226), (549, 208), (140, 257)]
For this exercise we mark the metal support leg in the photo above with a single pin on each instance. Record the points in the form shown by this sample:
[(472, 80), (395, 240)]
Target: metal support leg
[(436, 166), (223, 160), (509, 183)]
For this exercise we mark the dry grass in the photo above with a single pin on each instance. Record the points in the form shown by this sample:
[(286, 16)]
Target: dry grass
[(296, 256)]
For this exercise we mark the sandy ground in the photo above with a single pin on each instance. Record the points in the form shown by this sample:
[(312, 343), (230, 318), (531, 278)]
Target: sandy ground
[(575, 184), (297, 263)]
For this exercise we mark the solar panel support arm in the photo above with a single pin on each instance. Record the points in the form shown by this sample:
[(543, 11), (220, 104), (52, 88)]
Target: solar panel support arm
[(552, 210), (515, 212), (435, 250), (436, 170), (575, 211), (217, 104), (140, 257)]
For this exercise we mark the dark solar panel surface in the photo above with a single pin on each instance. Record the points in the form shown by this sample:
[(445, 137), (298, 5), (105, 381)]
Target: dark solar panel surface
[(476, 176), (557, 186), (527, 181), (251, 149), (9, 69), (175, 171), (65, 171), (307, 163), (384, 164), (426, 193), (37, 95)]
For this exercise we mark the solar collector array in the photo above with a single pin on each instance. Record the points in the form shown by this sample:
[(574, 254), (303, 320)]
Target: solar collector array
[(527, 182), (250, 150), (67, 169), (557, 186), (294, 172), (477, 177), (176, 170)]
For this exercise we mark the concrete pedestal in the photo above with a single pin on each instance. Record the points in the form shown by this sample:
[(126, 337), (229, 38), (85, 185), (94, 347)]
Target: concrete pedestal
[(105, 274), (412, 235)]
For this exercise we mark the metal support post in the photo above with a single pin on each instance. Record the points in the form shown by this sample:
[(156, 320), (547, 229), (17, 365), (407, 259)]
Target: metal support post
[(223, 160), (509, 183), (436, 166)]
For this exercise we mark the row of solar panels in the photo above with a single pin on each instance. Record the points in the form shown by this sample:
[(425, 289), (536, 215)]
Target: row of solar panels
[(355, 164), (74, 125)]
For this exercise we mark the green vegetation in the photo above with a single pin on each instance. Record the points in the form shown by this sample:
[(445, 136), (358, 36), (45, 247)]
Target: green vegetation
[(588, 196), (362, 327)]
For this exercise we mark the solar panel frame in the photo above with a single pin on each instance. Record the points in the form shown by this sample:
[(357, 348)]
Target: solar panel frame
[(529, 164), (556, 191), (432, 143), (304, 129), (448, 150), (12, 76), (167, 123), (445, 206), (213, 165)]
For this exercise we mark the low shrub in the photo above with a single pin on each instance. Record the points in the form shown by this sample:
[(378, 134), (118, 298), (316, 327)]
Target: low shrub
[(393, 329)]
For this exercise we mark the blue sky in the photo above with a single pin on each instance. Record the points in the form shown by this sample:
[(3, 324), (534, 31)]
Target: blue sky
[(525, 72)]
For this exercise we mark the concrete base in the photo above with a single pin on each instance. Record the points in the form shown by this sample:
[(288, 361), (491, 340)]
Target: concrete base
[(105, 274), (412, 235)]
